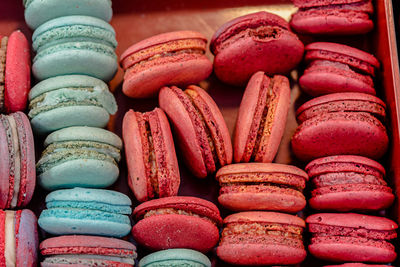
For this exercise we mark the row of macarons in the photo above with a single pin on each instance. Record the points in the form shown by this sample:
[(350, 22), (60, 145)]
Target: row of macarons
[(87, 221)]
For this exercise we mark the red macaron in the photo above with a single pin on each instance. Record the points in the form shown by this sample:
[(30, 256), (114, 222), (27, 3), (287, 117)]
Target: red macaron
[(200, 128), (261, 119), (334, 68), (352, 237), (177, 222), (17, 164), (348, 182), (335, 17), (254, 42), (150, 155), (262, 238), (15, 72), (173, 58), (19, 240), (82, 250), (262, 186)]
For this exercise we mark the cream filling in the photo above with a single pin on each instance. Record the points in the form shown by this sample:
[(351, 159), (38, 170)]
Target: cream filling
[(74, 258), (10, 246), (17, 160)]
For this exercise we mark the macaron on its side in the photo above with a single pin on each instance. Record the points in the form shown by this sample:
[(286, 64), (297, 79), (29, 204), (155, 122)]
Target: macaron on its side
[(340, 133), (352, 237), (262, 238), (75, 45), (261, 119), (167, 218), (262, 186), (150, 153), (200, 127), (87, 250), (342, 102), (79, 211), (236, 59), (34, 15), (175, 257), (174, 58)]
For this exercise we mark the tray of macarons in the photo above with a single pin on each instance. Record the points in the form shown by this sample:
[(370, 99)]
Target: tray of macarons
[(207, 133)]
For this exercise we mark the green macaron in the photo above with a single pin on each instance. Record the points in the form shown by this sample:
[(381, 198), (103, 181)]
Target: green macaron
[(70, 100), (175, 258), (79, 156)]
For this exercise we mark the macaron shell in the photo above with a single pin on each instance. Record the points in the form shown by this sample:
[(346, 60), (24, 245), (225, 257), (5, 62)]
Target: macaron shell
[(340, 133), (175, 257), (316, 3), (27, 240), (167, 230), (17, 73), (4, 168)]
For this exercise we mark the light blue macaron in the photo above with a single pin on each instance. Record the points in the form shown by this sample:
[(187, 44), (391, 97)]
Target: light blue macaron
[(70, 100), (86, 211), (38, 12), (79, 156), (74, 45), (175, 258)]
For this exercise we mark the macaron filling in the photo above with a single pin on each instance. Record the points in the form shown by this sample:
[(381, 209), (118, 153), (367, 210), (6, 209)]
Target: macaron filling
[(89, 260), (101, 206), (169, 211), (10, 246), (3, 52)]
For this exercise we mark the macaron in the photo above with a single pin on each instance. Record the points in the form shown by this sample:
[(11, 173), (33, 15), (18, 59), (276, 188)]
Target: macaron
[(254, 42), (19, 240), (175, 257), (15, 72), (342, 102), (261, 119), (79, 156), (337, 17), (177, 222), (38, 12), (74, 45), (200, 128), (86, 211), (70, 100), (150, 154), (262, 186), (352, 237), (84, 250), (262, 238), (335, 68), (340, 133), (17, 164), (348, 182), (172, 58)]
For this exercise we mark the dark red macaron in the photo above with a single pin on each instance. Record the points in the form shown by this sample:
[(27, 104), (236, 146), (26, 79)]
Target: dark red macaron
[(254, 42), (173, 58), (177, 222), (261, 119), (347, 182), (262, 186), (352, 237), (200, 128), (150, 155), (15, 72), (337, 17), (17, 164), (334, 68), (19, 239), (262, 238), (83, 250)]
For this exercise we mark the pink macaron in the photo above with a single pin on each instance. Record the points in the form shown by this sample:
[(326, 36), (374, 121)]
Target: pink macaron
[(335, 17), (348, 182), (254, 42), (334, 68), (261, 119), (173, 58)]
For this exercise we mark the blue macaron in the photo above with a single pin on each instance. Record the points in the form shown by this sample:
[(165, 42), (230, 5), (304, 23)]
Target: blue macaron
[(175, 258), (79, 156), (70, 100), (86, 211), (38, 12), (74, 45)]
